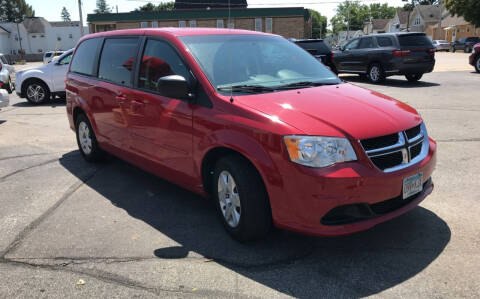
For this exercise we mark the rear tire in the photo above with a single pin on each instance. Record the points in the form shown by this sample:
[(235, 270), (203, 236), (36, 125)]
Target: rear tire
[(86, 140), (376, 74), (37, 92), (477, 64), (467, 49), (10, 86), (241, 199), (453, 49), (413, 77)]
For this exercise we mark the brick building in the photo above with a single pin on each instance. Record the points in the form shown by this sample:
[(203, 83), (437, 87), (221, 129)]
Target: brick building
[(290, 22)]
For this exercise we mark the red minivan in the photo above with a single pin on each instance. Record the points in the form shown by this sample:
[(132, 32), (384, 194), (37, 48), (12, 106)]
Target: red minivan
[(254, 122)]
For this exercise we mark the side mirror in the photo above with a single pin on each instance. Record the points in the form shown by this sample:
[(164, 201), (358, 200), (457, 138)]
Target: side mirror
[(174, 86)]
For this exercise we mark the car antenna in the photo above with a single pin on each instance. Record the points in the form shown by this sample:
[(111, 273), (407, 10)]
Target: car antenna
[(230, 55)]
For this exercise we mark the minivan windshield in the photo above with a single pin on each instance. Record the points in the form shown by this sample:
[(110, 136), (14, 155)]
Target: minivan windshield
[(256, 63)]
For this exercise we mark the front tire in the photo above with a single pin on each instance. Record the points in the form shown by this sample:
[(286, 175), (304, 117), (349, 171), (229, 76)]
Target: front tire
[(453, 49), (241, 199), (477, 64), (376, 74), (86, 140), (37, 92), (413, 77)]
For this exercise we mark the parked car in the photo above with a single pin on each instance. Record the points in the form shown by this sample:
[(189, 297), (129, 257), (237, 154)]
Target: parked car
[(50, 55), (6, 73), (441, 45), (465, 44), (474, 58), (253, 121), (319, 49), (378, 56), (4, 98), (40, 83)]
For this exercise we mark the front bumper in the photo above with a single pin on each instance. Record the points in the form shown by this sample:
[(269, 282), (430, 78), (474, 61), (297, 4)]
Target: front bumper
[(310, 194)]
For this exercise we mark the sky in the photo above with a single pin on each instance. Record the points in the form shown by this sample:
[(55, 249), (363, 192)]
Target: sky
[(50, 9)]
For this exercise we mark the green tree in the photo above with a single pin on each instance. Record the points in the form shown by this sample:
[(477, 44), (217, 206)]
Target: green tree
[(15, 10), (319, 24), (413, 3), (152, 7), (356, 14), (102, 7), (468, 9), (65, 15)]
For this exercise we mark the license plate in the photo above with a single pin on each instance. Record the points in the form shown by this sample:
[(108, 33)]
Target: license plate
[(412, 185)]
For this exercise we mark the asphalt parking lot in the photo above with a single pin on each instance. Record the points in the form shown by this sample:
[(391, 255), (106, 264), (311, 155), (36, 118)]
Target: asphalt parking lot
[(70, 228)]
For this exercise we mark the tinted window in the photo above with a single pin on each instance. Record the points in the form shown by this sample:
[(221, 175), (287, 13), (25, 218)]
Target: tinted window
[(414, 41), (117, 60), (352, 45), (315, 47), (159, 60), (366, 43), (84, 59), (48, 54), (384, 41)]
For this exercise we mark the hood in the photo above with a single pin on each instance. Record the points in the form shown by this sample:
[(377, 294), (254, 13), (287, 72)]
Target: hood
[(41, 68), (335, 110)]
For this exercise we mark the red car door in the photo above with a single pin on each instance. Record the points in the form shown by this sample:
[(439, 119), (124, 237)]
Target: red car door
[(161, 127), (110, 103)]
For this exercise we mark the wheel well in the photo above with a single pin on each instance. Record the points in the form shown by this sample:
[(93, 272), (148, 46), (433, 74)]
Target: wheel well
[(76, 112), (27, 81), (209, 161)]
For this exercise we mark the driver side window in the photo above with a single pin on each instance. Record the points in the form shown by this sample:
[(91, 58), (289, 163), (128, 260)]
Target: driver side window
[(65, 60), (159, 60), (352, 45)]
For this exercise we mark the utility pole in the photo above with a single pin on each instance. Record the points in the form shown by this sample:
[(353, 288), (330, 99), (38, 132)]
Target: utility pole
[(81, 18), (348, 21), (439, 33)]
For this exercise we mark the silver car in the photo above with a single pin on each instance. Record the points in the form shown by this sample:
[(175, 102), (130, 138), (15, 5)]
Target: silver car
[(441, 45), (6, 74)]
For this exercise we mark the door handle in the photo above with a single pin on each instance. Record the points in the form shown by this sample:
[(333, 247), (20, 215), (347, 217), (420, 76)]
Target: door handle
[(137, 105)]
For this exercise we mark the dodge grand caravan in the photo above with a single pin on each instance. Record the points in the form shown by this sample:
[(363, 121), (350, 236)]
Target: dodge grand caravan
[(253, 121)]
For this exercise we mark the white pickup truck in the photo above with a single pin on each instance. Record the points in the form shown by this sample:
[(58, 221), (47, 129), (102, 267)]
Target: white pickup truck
[(39, 84)]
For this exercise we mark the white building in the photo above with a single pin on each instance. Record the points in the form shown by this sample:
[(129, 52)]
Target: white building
[(37, 35)]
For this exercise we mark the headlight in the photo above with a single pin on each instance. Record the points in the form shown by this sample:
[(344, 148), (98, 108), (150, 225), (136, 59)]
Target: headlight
[(318, 151)]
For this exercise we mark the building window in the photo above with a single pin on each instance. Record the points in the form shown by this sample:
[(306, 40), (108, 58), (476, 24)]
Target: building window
[(417, 21), (468, 28), (59, 38), (219, 23), (70, 35), (154, 24), (258, 24), (231, 25), (42, 35), (105, 27), (268, 25), (143, 24), (182, 24), (193, 23), (34, 36)]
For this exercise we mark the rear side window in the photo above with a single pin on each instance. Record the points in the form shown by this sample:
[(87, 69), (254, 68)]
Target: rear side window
[(48, 54), (366, 43), (84, 60), (414, 41), (117, 60), (315, 47), (384, 41), (159, 60)]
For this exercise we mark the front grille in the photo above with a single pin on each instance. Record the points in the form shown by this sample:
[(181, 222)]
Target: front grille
[(387, 161), (396, 151), (378, 142)]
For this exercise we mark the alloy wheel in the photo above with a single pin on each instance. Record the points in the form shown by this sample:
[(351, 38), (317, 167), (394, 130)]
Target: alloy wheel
[(374, 73), (36, 93), (229, 199)]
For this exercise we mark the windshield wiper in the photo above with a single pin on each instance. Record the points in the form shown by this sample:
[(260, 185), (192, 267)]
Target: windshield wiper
[(246, 88), (304, 84)]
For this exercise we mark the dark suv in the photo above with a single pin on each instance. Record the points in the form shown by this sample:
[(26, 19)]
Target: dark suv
[(466, 44), (319, 49), (381, 55)]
